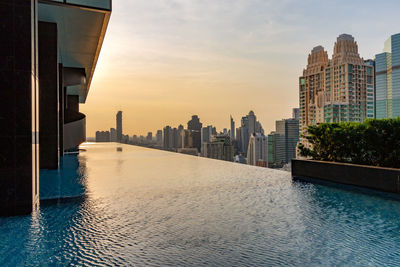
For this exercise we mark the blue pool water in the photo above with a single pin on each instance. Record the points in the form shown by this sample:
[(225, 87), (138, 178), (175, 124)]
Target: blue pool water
[(143, 207)]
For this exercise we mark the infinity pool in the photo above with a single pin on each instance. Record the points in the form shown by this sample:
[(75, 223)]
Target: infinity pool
[(144, 207)]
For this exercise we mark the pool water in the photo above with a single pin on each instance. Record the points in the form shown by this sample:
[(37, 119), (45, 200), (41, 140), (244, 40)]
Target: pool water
[(141, 207)]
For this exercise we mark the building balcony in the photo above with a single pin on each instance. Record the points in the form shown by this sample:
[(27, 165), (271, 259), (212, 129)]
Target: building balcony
[(74, 130)]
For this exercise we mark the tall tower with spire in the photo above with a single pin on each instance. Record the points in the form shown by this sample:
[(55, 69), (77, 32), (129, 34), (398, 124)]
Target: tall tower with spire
[(232, 129)]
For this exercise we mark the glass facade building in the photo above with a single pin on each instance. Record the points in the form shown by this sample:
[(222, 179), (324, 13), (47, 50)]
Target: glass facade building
[(388, 79)]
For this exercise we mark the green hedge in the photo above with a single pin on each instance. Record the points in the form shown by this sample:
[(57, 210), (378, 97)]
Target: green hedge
[(373, 142)]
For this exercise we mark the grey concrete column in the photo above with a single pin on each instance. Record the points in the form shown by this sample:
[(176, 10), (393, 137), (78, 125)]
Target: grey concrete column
[(19, 144), (48, 96)]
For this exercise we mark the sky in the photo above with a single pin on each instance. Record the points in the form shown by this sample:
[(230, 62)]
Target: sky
[(164, 60)]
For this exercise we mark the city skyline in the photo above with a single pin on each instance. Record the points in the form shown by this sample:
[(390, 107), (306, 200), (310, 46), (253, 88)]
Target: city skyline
[(211, 60)]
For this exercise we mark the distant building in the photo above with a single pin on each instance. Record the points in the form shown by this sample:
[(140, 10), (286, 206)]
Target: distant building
[(206, 134), (102, 136), (125, 139), (289, 128), (249, 125), (232, 129), (159, 137), (194, 125), (276, 150), (167, 137), (113, 135), (296, 114), (119, 126), (220, 147), (149, 136), (176, 140), (187, 139), (257, 153), (388, 79)]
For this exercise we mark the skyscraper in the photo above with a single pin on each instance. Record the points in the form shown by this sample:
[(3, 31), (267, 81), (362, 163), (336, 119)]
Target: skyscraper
[(119, 126), (194, 125), (388, 79), (336, 90), (296, 113), (252, 122), (288, 128), (167, 137), (232, 129), (249, 125), (149, 136), (257, 153), (276, 150), (206, 134), (159, 137)]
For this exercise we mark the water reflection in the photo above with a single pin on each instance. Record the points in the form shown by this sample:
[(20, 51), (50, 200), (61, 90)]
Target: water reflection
[(68, 183), (164, 208)]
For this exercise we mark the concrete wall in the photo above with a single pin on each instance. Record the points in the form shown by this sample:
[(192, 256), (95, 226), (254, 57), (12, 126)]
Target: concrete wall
[(19, 122), (74, 134), (377, 178)]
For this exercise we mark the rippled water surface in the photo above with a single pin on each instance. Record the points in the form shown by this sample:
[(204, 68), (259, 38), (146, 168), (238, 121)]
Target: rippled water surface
[(143, 207)]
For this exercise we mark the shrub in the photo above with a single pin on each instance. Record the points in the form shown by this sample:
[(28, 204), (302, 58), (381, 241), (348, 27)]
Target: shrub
[(373, 142)]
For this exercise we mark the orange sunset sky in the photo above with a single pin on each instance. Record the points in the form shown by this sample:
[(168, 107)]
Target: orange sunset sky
[(163, 61)]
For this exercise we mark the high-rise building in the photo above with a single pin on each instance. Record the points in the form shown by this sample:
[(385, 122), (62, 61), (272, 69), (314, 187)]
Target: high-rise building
[(388, 79), (244, 134), (113, 135), (187, 139), (249, 125), (206, 134), (159, 137), (194, 125), (119, 126), (296, 113), (176, 140), (252, 122), (149, 137), (232, 129), (167, 137), (219, 147), (276, 150), (257, 153), (336, 90), (288, 128)]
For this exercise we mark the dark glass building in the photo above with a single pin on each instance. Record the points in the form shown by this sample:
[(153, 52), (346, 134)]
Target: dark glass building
[(119, 126), (194, 126)]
